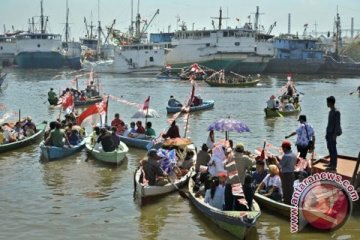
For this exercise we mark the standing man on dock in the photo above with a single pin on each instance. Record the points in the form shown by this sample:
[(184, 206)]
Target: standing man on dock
[(333, 130)]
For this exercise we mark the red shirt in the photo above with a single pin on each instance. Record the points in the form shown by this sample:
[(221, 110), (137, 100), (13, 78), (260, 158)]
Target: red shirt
[(119, 124), (140, 129)]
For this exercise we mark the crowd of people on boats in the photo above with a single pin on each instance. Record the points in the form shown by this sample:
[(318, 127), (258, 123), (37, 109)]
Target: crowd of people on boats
[(196, 101), (10, 132), (289, 101), (64, 133), (79, 95)]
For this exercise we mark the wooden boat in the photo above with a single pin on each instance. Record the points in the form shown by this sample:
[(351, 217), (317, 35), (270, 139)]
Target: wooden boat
[(115, 157), (138, 142), (89, 101), (143, 191), (218, 79), (207, 104), (52, 153), (347, 166), (40, 129), (273, 113), (273, 206), (235, 222)]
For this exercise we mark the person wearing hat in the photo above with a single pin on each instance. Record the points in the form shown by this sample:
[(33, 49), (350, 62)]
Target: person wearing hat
[(271, 185), (305, 137), (52, 98), (333, 130), (29, 127), (287, 167), (236, 169), (152, 169)]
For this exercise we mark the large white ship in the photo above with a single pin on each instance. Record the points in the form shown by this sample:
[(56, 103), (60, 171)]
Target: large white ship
[(241, 50)]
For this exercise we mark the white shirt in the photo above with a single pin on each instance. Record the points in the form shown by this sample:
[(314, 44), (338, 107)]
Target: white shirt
[(273, 181), (216, 165)]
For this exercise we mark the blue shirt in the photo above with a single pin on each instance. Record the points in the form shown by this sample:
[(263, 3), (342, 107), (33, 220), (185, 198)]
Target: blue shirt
[(218, 200), (257, 177), (288, 161)]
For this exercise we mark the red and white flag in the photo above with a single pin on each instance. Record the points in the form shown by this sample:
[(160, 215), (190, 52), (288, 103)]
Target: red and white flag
[(98, 108), (68, 102), (146, 103)]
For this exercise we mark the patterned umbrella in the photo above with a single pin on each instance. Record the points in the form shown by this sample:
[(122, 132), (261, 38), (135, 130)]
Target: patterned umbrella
[(228, 125)]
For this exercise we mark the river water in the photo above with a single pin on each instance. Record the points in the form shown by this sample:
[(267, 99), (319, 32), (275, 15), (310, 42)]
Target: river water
[(77, 199)]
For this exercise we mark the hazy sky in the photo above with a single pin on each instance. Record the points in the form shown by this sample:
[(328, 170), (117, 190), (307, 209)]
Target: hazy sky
[(195, 13)]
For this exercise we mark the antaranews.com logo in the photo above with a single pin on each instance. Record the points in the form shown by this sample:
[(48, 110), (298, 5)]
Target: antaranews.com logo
[(322, 200)]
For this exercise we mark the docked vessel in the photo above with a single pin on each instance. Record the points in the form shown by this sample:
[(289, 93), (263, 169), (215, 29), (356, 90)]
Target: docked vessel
[(241, 50), (132, 55), (7, 49), (295, 55), (39, 49)]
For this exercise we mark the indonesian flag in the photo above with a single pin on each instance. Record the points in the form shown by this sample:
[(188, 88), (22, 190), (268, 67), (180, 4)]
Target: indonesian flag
[(68, 102), (98, 108), (191, 97), (146, 103), (195, 67)]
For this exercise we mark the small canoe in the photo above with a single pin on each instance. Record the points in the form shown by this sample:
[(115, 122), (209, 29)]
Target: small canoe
[(346, 166), (51, 153), (235, 222), (88, 101), (138, 142), (273, 206), (273, 113), (207, 104), (40, 129), (143, 190), (115, 157), (249, 83)]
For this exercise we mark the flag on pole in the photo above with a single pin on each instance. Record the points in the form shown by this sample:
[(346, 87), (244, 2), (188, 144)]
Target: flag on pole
[(146, 103), (68, 102), (98, 108)]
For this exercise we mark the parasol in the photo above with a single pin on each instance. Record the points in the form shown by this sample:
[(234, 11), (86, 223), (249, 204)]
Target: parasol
[(149, 113), (228, 125)]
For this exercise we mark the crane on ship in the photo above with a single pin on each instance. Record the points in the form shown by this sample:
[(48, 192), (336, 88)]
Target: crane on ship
[(271, 28), (138, 32)]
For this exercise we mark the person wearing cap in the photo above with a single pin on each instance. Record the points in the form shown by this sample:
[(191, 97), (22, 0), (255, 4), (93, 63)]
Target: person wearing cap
[(52, 98), (287, 167), (305, 135), (333, 130), (242, 161), (152, 169), (260, 173)]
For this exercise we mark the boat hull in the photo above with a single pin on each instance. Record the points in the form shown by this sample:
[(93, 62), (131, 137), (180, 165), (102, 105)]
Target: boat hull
[(300, 66), (273, 206), (114, 157), (51, 153), (207, 104), (273, 113), (239, 85), (88, 101), (27, 141), (230, 221), (39, 60), (138, 143)]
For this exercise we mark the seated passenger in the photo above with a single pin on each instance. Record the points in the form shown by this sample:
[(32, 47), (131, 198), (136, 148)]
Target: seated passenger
[(152, 170), (29, 127), (271, 103), (271, 185), (140, 131), (150, 132), (106, 141), (260, 172), (57, 136), (214, 196), (74, 137), (197, 101), (173, 102), (115, 137)]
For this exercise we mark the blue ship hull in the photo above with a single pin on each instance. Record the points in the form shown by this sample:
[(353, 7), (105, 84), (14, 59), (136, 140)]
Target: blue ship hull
[(73, 63), (40, 60)]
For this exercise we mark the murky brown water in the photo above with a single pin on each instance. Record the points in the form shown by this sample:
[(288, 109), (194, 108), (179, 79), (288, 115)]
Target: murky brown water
[(75, 199)]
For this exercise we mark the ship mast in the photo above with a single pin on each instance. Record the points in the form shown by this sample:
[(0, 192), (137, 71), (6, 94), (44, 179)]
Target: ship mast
[(42, 29), (220, 18), (67, 23), (338, 34)]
